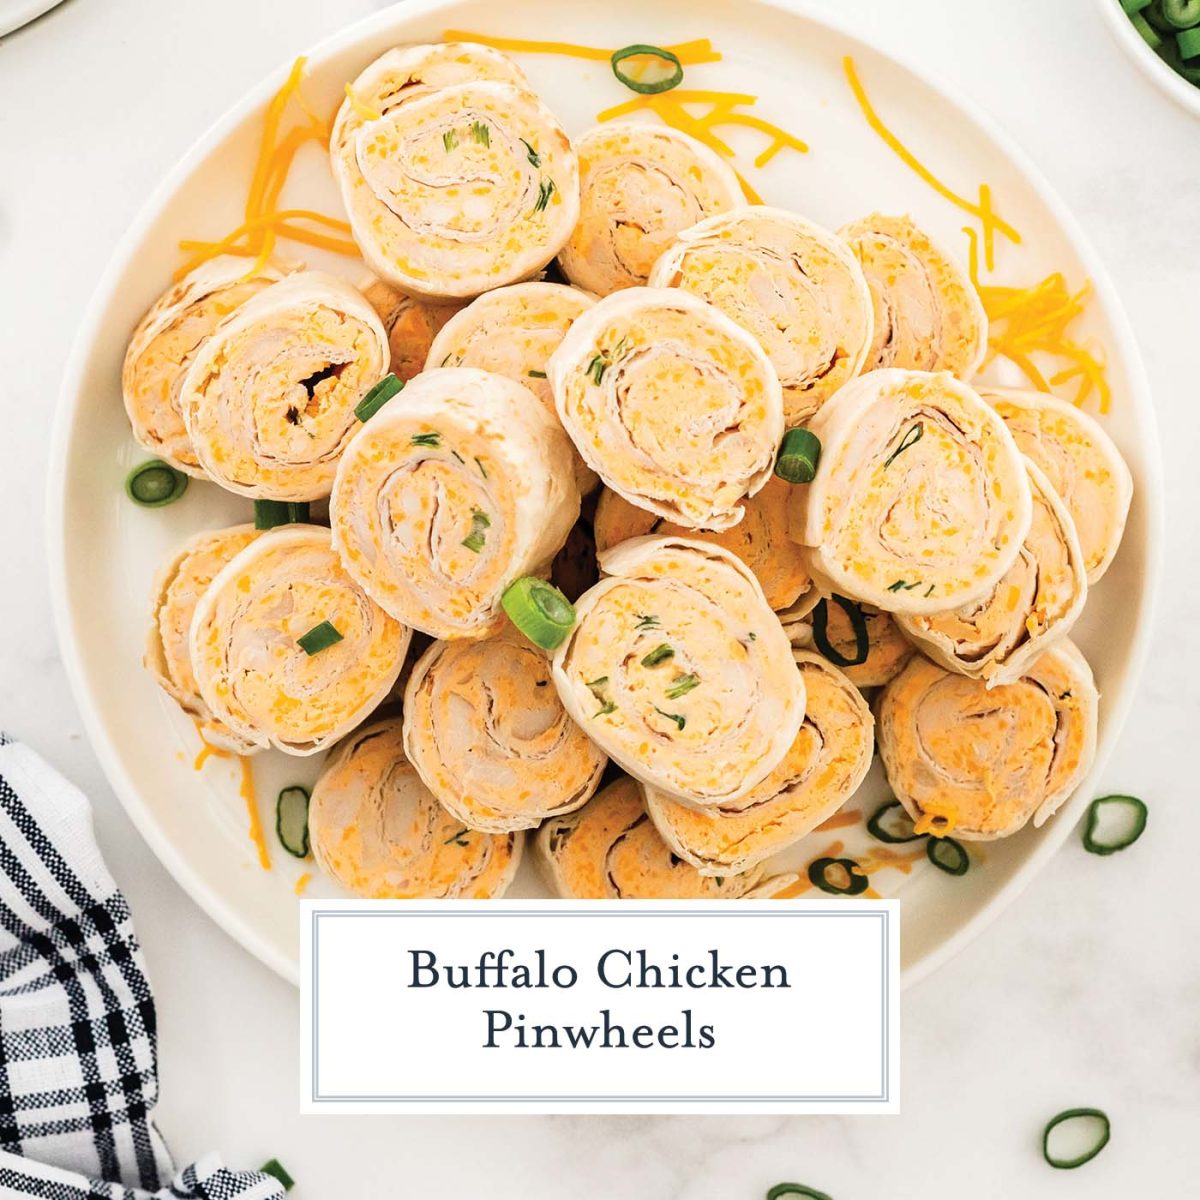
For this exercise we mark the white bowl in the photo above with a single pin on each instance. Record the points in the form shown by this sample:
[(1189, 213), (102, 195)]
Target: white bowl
[(1154, 68)]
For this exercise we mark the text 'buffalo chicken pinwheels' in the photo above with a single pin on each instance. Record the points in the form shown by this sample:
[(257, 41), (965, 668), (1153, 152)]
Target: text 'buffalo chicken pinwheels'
[(819, 773), (455, 488), (287, 649), (610, 850), (674, 406), (490, 737), (378, 831), (797, 288), (679, 670), (454, 188)]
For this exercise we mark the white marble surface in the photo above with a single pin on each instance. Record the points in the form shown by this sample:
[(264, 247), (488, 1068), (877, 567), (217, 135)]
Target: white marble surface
[(1086, 992)]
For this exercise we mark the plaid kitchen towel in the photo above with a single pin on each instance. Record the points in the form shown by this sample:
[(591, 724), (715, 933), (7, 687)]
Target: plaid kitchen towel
[(78, 1044)]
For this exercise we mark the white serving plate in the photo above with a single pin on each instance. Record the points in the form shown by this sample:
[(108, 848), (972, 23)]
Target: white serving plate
[(1185, 94), (104, 551)]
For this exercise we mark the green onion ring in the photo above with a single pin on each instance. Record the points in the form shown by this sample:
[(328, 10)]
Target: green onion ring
[(270, 513), (1180, 14), (155, 484), (318, 638), (377, 397), (858, 622), (1188, 41), (1074, 1114), (274, 1168), (948, 855), (799, 456), (1138, 813), (291, 820), (636, 85), (539, 610), (858, 881), (1149, 34), (877, 830), (1135, 6), (796, 1189)]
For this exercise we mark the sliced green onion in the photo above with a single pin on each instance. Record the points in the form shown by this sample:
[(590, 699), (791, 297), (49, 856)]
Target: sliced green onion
[(1129, 824), (318, 638), (1188, 41), (902, 585), (536, 374), (679, 719), (480, 523), (947, 855), (796, 1189), (539, 610), (535, 159), (481, 132), (799, 456), (911, 438), (1084, 1119), (460, 837), (450, 139), (432, 440), (155, 484), (1180, 14), (658, 654), (648, 87), (1135, 6), (646, 621), (546, 189), (377, 397), (681, 687), (856, 878), (291, 820), (1149, 34), (275, 1169), (890, 823), (858, 622), (270, 513)]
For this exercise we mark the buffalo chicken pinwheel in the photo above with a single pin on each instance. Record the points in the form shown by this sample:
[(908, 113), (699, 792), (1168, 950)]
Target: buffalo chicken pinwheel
[(865, 643), (928, 316), (760, 539), (978, 762), (796, 287), (674, 406), (639, 186), (378, 831), (490, 738), (922, 499), (287, 649), (410, 325), (1036, 602), (451, 491), (454, 187), (164, 344), (1081, 463), (185, 577), (269, 398), (610, 850), (821, 771), (679, 670)]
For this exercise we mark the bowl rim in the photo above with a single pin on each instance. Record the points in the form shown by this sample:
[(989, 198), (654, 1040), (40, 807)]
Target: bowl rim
[(1185, 94), (71, 399)]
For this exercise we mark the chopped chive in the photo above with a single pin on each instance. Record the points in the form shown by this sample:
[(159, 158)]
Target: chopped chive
[(546, 189), (427, 439), (596, 369), (890, 823), (929, 590), (318, 638), (271, 513), (902, 585), (275, 1169), (679, 720), (481, 133), (799, 456), (858, 623), (155, 484), (539, 610), (482, 469), (948, 855), (450, 139), (1092, 1118), (291, 820), (657, 655), (650, 87), (535, 159), (796, 1189), (911, 438), (459, 457), (1131, 824), (480, 522), (681, 687), (597, 682), (377, 397), (645, 621), (459, 837), (536, 374), (856, 881), (607, 707)]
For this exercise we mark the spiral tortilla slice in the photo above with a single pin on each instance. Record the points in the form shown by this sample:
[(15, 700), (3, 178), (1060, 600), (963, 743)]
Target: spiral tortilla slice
[(164, 344), (760, 539), (610, 850), (269, 398), (888, 650), (978, 762), (450, 492), (1036, 602), (378, 831), (252, 668), (673, 405), (513, 331), (640, 185), (922, 499), (184, 578), (410, 325), (1082, 464), (796, 287), (927, 314), (822, 769), (460, 189), (490, 738), (678, 670)]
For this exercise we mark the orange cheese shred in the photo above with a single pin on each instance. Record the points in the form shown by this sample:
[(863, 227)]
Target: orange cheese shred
[(250, 796)]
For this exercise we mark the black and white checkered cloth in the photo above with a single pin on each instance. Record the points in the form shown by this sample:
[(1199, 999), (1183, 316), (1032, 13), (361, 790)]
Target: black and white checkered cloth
[(78, 1045)]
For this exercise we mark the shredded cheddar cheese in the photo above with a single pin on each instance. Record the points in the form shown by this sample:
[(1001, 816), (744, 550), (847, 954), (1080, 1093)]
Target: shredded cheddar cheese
[(302, 883), (365, 111), (250, 796)]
